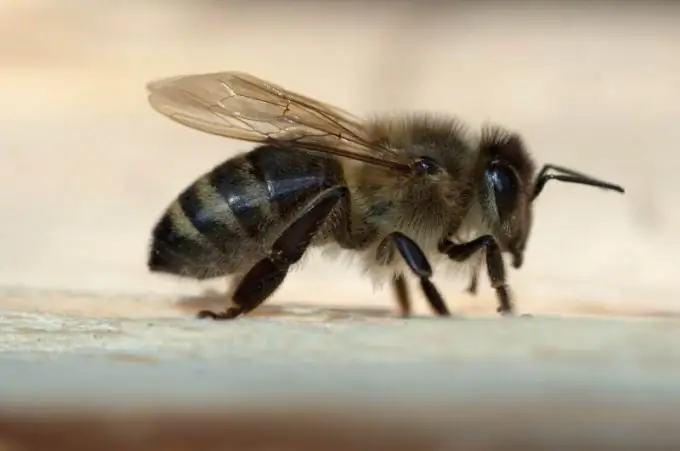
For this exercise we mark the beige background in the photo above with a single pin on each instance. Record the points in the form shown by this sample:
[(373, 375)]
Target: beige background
[(87, 166)]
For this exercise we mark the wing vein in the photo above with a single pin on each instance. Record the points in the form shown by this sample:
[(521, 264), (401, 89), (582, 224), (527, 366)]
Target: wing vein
[(241, 106)]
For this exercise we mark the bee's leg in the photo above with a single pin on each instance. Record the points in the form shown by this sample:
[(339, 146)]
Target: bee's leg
[(474, 279), (268, 274), (416, 260), (401, 293), (494, 265)]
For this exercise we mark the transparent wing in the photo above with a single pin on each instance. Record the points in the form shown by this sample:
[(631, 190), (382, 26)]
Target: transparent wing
[(242, 106)]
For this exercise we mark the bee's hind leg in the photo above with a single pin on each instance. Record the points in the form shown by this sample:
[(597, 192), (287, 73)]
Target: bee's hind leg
[(267, 275)]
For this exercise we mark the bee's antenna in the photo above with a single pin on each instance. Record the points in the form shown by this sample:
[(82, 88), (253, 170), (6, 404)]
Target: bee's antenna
[(569, 176)]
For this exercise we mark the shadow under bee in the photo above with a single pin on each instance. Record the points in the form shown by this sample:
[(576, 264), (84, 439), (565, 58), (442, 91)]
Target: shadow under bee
[(214, 299)]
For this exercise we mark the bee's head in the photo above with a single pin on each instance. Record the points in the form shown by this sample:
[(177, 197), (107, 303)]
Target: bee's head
[(509, 188), (506, 188)]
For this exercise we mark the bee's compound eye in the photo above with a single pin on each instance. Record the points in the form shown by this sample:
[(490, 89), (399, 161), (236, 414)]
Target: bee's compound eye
[(502, 179), (427, 165)]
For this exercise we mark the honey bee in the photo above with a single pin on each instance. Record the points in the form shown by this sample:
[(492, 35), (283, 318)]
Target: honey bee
[(394, 191)]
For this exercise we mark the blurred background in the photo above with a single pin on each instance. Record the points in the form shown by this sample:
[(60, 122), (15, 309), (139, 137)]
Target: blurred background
[(88, 166)]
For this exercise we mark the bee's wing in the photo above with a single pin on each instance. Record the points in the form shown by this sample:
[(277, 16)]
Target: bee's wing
[(242, 106)]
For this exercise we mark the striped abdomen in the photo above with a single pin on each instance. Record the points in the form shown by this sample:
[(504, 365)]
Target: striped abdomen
[(220, 222)]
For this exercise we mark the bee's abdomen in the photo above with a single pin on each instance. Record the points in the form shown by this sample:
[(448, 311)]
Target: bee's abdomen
[(221, 220), (292, 178), (178, 248)]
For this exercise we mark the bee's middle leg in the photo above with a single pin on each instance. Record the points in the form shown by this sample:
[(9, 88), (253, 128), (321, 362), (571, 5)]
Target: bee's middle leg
[(267, 275), (494, 264), (417, 262), (402, 295)]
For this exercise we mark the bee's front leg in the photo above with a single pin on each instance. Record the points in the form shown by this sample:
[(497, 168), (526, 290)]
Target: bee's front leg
[(494, 265), (474, 279)]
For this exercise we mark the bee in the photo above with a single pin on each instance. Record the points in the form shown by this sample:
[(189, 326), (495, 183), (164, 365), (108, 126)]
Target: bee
[(394, 190)]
